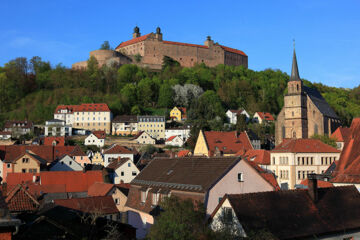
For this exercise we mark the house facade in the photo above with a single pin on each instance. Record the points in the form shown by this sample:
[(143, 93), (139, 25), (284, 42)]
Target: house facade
[(124, 170), (116, 151), (216, 143), (263, 117), (232, 114), (294, 159), (66, 163), (125, 125), (57, 127), (177, 177), (98, 159), (18, 128), (178, 114), (5, 135), (182, 132), (96, 138), (26, 162), (175, 141), (93, 116), (153, 125), (144, 138)]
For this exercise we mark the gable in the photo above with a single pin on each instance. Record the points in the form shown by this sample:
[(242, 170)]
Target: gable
[(201, 147)]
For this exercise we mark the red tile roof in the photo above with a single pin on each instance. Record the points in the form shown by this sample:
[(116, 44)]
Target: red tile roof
[(266, 116), (74, 181), (320, 183), (304, 146), (341, 134), (99, 204), (19, 199), (100, 189), (348, 168), (183, 111), (85, 107), (183, 153), (133, 41), (233, 50), (170, 138), (259, 156), (227, 142), (117, 149), (60, 141), (185, 44), (99, 134)]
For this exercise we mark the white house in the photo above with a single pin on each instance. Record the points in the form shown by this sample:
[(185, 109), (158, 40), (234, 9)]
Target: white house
[(57, 127), (124, 170), (144, 138), (263, 117), (232, 115), (96, 138), (174, 141), (66, 164), (116, 151), (5, 135), (182, 132)]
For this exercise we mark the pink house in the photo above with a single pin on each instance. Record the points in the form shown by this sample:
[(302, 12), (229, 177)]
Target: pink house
[(198, 178)]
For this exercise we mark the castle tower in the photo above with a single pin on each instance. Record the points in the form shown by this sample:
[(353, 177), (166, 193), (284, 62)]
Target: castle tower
[(136, 32), (158, 34), (295, 106)]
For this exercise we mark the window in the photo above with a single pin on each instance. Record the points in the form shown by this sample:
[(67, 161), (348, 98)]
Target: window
[(220, 198), (23, 170), (129, 164), (154, 199), (25, 160), (240, 177), (133, 173), (70, 162), (8, 165), (117, 201), (122, 173), (228, 217)]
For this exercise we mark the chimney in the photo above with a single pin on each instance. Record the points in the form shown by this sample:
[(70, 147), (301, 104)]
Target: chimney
[(312, 187)]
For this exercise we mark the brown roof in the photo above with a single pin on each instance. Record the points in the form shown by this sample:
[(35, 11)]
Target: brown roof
[(304, 146), (74, 181), (125, 118), (259, 156), (99, 134), (236, 111), (115, 164), (133, 41), (100, 189), (266, 116), (23, 124), (293, 214), (341, 134), (227, 142), (5, 133), (98, 204), (19, 199), (117, 149), (190, 173), (348, 168)]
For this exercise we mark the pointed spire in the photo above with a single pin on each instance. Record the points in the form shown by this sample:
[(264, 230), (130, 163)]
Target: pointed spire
[(294, 70)]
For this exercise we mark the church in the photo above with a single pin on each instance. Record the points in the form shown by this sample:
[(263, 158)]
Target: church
[(305, 112)]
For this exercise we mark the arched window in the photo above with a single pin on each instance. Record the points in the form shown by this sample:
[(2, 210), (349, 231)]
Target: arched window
[(316, 129), (294, 134), (297, 87), (292, 113)]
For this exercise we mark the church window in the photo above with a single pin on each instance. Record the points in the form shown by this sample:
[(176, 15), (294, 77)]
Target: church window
[(314, 113), (316, 129), (293, 123), (294, 134), (283, 131), (297, 87), (292, 113)]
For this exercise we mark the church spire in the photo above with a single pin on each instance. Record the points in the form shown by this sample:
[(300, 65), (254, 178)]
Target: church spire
[(294, 70)]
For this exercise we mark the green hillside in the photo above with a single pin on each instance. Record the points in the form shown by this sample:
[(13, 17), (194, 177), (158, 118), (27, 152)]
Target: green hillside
[(31, 89)]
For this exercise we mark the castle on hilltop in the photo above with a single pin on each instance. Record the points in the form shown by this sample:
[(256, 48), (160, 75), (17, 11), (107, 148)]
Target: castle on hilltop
[(305, 112), (148, 51)]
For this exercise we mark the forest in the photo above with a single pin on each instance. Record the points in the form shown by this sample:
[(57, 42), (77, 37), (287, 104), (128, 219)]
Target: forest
[(31, 89)]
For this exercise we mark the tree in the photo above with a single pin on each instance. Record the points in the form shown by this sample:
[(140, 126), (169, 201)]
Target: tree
[(165, 96), (105, 46), (325, 139), (180, 220), (137, 58), (169, 62), (241, 123)]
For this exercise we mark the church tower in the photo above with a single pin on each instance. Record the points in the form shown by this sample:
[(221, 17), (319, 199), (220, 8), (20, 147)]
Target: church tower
[(295, 106)]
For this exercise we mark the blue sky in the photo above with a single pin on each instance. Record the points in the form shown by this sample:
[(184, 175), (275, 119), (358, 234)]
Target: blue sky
[(327, 32)]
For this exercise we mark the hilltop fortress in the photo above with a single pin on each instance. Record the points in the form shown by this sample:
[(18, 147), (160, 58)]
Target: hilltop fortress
[(148, 51)]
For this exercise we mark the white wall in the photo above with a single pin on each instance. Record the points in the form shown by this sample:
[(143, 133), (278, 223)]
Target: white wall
[(128, 172), (93, 140), (66, 164)]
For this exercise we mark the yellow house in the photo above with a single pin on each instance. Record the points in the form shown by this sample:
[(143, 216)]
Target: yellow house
[(178, 113), (28, 163), (98, 159), (216, 143)]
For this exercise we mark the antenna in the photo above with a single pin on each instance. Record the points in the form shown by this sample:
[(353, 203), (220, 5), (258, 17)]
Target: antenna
[(294, 42)]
